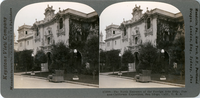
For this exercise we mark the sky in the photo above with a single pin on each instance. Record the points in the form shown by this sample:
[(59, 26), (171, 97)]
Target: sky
[(28, 14), (115, 13)]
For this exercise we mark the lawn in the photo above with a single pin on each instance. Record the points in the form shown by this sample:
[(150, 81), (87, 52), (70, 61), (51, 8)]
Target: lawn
[(68, 76), (169, 77)]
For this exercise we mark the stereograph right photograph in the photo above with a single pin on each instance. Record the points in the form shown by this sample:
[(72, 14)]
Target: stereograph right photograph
[(142, 45)]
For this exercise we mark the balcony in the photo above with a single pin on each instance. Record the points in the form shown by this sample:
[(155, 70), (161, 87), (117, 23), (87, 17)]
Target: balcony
[(24, 36), (47, 48), (134, 48)]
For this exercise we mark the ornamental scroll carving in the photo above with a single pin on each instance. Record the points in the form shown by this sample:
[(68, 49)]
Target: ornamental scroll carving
[(37, 38), (60, 32)]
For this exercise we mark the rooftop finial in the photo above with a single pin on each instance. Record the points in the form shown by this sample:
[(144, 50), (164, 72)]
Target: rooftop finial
[(59, 9), (147, 9), (135, 5)]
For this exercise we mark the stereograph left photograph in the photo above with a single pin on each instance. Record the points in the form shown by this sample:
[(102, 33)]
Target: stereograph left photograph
[(56, 45)]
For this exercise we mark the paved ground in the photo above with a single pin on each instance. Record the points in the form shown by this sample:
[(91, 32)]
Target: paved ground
[(30, 82), (106, 81)]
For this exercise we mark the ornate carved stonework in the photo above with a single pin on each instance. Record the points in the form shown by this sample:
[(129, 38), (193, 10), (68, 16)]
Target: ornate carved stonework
[(37, 39), (148, 32), (60, 32), (137, 13), (125, 33), (125, 38), (49, 13)]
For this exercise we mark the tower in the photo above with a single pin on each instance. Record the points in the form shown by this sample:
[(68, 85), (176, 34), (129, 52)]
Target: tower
[(49, 13), (101, 37)]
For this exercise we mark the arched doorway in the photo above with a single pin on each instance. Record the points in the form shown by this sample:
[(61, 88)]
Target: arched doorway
[(49, 60), (136, 60), (166, 61), (77, 60)]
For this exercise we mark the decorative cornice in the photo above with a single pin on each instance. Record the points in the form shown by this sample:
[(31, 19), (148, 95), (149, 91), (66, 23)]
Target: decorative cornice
[(112, 38), (154, 13), (24, 38)]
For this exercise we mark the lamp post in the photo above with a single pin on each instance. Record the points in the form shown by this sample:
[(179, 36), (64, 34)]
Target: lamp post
[(120, 73), (163, 51), (32, 73), (75, 71), (163, 66)]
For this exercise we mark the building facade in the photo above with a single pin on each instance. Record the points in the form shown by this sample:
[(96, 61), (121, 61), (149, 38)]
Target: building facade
[(113, 36), (69, 26), (155, 26)]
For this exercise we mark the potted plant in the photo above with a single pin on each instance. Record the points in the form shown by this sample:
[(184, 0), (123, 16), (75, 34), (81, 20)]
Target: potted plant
[(120, 73), (162, 77), (32, 72)]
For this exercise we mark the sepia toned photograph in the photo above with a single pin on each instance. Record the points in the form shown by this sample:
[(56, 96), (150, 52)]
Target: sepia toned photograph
[(99, 48), (142, 45), (56, 46)]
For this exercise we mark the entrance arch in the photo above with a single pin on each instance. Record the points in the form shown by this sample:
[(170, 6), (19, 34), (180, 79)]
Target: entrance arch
[(77, 60), (166, 61), (49, 59), (136, 60)]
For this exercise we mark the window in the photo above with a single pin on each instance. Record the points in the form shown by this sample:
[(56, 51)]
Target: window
[(124, 31), (49, 32), (136, 31), (166, 36), (37, 31), (48, 40), (115, 42), (136, 39), (148, 23), (20, 44), (26, 32), (113, 32), (61, 23), (27, 42)]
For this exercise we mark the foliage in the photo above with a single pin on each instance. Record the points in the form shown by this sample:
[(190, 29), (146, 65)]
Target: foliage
[(92, 51), (26, 59), (113, 59), (102, 56), (16, 56), (79, 32), (166, 33), (127, 57), (164, 44), (178, 50), (148, 56), (102, 60), (16, 60), (60, 55), (178, 54), (40, 57)]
